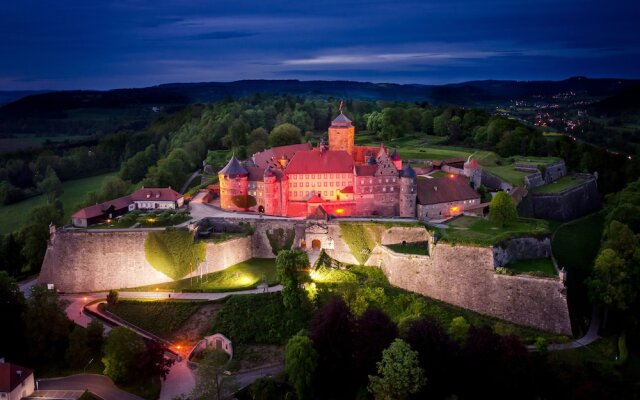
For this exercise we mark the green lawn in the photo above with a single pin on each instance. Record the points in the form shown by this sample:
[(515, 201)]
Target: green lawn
[(160, 317), (562, 184), (245, 275), (13, 216), (508, 174), (410, 248), (439, 174), (535, 160), (575, 246), (479, 231), (537, 266)]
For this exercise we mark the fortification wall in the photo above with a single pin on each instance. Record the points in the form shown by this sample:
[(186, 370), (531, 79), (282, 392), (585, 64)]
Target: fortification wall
[(521, 249), (464, 276), (83, 261), (570, 204), (340, 251), (225, 254)]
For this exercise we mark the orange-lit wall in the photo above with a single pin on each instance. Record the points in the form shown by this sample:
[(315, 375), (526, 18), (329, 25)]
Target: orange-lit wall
[(342, 138)]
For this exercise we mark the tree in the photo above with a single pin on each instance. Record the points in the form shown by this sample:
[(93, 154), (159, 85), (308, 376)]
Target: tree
[(374, 331), (288, 265), (47, 324), (258, 140), (399, 373), (121, 350), (620, 237), (112, 297), (12, 309), (331, 330), (502, 210), (210, 381), (285, 134), (437, 354), (300, 363), (95, 331), (78, 352), (265, 389), (50, 186), (11, 259), (151, 362), (113, 187), (614, 281)]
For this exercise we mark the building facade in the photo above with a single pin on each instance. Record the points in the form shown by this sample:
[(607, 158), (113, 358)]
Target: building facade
[(345, 179)]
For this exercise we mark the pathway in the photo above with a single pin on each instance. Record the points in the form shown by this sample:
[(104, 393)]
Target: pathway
[(97, 384), (188, 182), (590, 337)]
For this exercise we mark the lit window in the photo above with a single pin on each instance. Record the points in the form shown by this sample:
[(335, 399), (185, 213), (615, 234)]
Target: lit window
[(391, 189), (307, 185), (384, 189), (386, 180)]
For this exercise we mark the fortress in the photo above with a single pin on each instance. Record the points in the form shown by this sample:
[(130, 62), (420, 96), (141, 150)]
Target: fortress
[(342, 178), (462, 275)]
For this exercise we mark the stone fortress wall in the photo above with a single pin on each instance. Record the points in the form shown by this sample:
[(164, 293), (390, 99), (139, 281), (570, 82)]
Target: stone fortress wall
[(570, 204), (82, 261)]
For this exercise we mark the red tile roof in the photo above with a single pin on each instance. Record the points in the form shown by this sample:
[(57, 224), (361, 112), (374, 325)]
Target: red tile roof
[(318, 213), (315, 199), (366, 170), (473, 164), (158, 194), (445, 190), (324, 162), (10, 378), (97, 210), (362, 153), (348, 189), (270, 156)]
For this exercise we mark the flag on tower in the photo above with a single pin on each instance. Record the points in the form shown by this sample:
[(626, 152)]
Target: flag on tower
[(340, 108)]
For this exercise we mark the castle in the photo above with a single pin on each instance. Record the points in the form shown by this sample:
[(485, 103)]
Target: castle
[(340, 178)]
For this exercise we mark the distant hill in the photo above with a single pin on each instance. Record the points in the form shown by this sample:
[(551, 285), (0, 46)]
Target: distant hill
[(625, 103), (9, 96), (82, 112)]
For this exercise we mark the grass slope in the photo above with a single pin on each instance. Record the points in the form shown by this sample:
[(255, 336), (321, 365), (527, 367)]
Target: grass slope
[(160, 317), (12, 216), (173, 252), (480, 231), (559, 186), (536, 266), (245, 275)]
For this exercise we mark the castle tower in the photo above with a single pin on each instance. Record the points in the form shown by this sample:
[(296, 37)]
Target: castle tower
[(233, 185), (271, 197), (408, 192), (473, 171), (342, 134)]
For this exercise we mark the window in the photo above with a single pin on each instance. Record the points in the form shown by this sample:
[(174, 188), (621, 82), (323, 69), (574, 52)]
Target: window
[(391, 189), (384, 189), (362, 181), (386, 180), (307, 185), (325, 184)]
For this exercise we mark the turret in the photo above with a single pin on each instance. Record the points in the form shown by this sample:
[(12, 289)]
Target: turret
[(473, 171), (233, 185), (408, 192)]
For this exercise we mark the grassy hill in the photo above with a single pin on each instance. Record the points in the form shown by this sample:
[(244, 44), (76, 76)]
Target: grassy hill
[(13, 216)]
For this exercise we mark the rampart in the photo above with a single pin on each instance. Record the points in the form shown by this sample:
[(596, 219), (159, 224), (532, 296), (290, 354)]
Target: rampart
[(569, 204), (465, 276)]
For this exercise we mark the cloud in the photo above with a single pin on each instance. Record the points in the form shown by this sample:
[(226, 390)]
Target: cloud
[(373, 58)]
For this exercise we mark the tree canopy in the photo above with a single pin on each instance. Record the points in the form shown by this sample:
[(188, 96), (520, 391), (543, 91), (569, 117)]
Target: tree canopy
[(502, 210), (399, 373)]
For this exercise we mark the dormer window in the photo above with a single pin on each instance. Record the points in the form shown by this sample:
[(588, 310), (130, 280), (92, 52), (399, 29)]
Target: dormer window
[(157, 195), (148, 195)]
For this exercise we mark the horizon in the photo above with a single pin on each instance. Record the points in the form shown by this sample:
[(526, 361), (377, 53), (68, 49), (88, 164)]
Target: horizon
[(134, 44)]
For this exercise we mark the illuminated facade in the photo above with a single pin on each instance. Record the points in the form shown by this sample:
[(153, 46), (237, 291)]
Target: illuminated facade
[(346, 180)]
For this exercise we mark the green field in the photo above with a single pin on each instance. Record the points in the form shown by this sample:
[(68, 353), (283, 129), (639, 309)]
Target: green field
[(508, 174), (420, 249), (559, 186), (537, 266), (245, 275), (479, 231), (160, 317), (13, 216)]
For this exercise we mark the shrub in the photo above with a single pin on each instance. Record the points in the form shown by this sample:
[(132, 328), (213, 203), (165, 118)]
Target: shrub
[(173, 252), (281, 239), (112, 297)]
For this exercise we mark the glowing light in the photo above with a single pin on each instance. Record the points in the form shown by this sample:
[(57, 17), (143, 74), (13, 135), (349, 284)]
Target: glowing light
[(454, 210), (451, 175), (85, 299), (178, 347), (157, 289), (340, 211), (152, 220)]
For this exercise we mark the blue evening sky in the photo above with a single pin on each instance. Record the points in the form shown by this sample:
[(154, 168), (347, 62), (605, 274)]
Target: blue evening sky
[(94, 44)]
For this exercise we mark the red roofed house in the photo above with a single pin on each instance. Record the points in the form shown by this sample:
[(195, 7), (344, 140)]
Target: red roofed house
[(440, 198), (345, 179), (142, 199), (100, 212), (157, 199), (16, 382)]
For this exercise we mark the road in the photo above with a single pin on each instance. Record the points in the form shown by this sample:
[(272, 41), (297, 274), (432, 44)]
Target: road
[(97, 384)]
